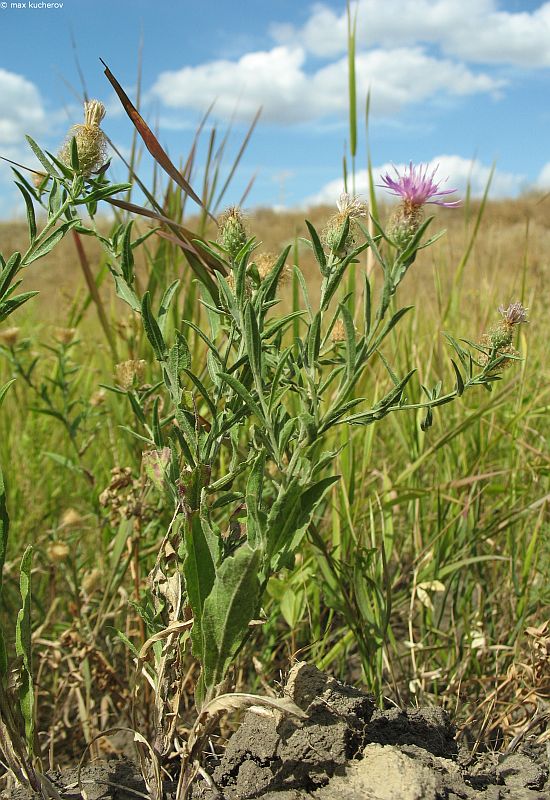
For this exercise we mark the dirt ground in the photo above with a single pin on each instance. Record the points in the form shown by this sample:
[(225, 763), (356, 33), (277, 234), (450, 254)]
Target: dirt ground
[(345, 750)]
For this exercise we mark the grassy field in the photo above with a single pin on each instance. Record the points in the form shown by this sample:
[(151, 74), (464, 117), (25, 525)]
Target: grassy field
[(429, 580)]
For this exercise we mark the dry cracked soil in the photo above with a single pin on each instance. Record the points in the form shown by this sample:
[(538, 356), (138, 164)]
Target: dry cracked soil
[(346, 749)]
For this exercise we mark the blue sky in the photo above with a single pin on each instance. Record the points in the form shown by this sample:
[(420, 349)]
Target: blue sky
[(461, 83)]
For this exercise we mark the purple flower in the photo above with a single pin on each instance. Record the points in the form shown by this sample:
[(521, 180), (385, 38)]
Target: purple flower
[(514, 314), (416, 187)]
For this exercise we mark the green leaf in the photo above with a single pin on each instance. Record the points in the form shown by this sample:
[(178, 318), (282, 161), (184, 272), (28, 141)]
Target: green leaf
[(24, 650), (102, 194), (229, 608), (41, 156), (199, 570), (31, 219), (317, 249), (152, 329), (75, 160), (202, 389), (8, 272), (459, 379), (127, 255), (3, 392), (179, 357), (351, 349), (47, 244), (167, 298), (314, 340), (7, 307), (253, 344), (126, 293), (244, 394)]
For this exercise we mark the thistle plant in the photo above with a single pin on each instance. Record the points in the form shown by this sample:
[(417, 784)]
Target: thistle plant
[(238, 443)]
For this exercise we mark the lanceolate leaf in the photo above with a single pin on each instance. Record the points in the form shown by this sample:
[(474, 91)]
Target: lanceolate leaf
[(231, 605), (199, 574), (23, 649), (152, 329)]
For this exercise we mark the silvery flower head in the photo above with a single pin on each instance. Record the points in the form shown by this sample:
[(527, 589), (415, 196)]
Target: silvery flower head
[(350, 205)]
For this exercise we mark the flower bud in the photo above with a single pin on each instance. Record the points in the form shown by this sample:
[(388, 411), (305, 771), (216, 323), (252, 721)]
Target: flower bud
[(232, 231), (404, 223), (91, 143)]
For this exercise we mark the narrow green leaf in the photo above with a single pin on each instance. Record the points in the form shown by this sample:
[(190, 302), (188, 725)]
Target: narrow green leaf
[(24, 650), (152, 329), (8, 272), (165, 303), (253, 344), (31, 218), (351, 347), (314, 340), (41, 156), (7, 307), (459, 379), (317, 248), (47, 244), (244, 394), (127, 254)]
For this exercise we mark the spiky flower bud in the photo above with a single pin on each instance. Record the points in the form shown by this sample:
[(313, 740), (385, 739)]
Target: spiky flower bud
[(232, 232), (498, 340), (9, 336), (403, 224), (334, 236), (91, 143)]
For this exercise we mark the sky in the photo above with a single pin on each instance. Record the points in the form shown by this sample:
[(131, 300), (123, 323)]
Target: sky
[(457, 84)]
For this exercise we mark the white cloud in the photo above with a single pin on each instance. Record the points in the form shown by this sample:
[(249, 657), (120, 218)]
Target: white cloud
[(475, 30), (461, 172), (543, 180), (278, 81), (21, 109)]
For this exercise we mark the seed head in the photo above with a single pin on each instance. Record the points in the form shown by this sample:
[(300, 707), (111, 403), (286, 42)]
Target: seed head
[(91, 581), (232, 232), (71, 518), (128, 373), (338, 332), (91, 143), (10, 336), (98, 398), (64, 335), (350, 208), (58, 551)]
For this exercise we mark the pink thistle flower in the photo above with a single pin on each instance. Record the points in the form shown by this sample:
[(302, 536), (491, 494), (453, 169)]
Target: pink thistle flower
[(417, 187), (514, 314)]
